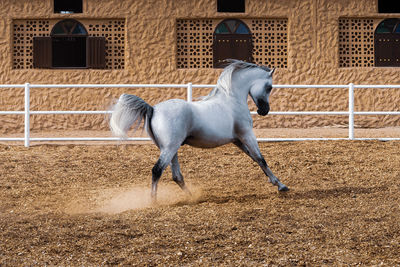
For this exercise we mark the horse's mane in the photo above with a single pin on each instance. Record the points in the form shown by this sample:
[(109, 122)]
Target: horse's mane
[(225, 79)]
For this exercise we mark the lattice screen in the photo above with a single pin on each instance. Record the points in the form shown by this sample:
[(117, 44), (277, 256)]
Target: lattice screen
[(195, 38), (270, 42), (356, 42), (25, 30), (114, 32), (194, 43)]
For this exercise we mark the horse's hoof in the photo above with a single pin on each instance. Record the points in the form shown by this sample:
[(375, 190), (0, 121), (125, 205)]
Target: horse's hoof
[(283, 188)]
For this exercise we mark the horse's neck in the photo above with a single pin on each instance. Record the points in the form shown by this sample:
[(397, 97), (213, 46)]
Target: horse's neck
[(240, 92)]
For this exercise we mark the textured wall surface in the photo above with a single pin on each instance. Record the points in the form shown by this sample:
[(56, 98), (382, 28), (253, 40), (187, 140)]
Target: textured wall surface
[(150, 57)]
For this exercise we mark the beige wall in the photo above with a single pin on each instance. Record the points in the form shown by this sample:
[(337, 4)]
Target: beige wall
[(150, 57)]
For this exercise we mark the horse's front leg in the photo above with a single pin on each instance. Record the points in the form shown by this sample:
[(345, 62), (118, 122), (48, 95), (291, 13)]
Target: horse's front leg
[(248, 144)]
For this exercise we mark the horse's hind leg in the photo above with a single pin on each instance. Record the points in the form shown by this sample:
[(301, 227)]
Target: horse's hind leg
[(177, 175), (162, 163)]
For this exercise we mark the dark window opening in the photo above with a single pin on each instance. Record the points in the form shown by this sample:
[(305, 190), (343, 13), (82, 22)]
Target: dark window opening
[(231, 6), (232, 40), (387, 43), (69, 52), (67, 6), (69, 46), (388, 6)]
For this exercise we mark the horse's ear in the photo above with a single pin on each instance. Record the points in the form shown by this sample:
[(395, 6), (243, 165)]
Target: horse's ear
[(272, 71)]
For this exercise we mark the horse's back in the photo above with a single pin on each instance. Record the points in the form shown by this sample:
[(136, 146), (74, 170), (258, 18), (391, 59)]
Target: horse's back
[(172, 107)]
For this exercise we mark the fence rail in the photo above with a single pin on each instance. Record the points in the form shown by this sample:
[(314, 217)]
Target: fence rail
[(189, 86)]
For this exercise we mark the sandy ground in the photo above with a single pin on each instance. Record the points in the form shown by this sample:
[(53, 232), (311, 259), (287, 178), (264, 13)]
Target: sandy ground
[(90, 205)]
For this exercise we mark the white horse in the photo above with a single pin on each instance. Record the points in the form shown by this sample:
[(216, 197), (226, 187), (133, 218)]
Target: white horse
[(220, 118)]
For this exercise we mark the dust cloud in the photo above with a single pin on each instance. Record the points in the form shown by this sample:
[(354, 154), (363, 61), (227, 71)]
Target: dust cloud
[(113, 201)]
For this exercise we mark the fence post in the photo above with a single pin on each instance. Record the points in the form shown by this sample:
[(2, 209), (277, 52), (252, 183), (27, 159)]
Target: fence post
[(27, 115), (189, 92), (351, 111)]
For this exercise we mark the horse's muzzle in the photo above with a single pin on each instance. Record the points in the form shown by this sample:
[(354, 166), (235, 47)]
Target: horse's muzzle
[(263, 108), (262, 112)]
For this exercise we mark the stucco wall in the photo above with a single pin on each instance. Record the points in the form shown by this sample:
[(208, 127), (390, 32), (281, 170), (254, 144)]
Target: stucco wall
[(150, 57)]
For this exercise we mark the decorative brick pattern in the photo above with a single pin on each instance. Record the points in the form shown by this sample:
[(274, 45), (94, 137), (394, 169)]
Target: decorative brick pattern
[(356, 42)]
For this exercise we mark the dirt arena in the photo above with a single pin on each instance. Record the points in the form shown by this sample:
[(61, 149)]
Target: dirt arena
[(90, 205)]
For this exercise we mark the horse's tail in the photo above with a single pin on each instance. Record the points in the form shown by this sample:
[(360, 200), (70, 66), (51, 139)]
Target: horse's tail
[(129, 110)]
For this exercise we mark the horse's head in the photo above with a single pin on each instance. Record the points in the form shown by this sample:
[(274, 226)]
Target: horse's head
[(260, 91), (239, 75)]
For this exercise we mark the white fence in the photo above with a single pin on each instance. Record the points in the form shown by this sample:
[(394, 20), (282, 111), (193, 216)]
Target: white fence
[(350, 113)]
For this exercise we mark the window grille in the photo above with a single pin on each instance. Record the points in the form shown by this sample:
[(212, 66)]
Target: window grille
[(356, 42), (23, 33), (194, 43), (270, 40)]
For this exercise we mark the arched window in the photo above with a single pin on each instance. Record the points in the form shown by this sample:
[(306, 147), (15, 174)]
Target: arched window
[(69, 27), (232, 40), (69, 46), (387, 43)]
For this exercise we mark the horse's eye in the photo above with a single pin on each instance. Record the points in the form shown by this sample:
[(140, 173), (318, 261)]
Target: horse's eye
[(268, 88)]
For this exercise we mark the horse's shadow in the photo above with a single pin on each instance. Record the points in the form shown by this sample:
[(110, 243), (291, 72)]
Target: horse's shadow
[(320, 194), (293, 194), (220, 199)]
